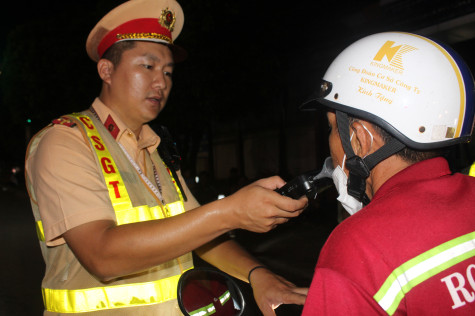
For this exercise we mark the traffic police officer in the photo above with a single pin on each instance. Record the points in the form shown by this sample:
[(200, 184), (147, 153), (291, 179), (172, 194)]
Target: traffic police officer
[(116, 224)]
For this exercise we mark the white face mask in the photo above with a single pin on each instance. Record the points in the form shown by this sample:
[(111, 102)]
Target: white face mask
[(349, 203)]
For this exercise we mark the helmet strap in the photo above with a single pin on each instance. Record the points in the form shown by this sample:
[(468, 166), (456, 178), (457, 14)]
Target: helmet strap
[(359, 168)]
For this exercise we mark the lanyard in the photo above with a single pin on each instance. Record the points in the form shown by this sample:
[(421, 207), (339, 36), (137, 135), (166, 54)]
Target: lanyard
[(152, 187)]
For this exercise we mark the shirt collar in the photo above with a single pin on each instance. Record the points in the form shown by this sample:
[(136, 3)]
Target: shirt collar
[(424, 170), (147, 139)]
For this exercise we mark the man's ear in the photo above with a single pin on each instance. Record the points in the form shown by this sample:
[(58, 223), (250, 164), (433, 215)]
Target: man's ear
[(104, 69), (362, 142)]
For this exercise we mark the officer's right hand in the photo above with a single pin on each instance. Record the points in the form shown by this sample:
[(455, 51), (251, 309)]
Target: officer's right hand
[(258, 208)]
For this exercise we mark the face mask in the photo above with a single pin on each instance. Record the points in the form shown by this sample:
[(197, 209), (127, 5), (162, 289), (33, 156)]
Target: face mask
[(349, 203)]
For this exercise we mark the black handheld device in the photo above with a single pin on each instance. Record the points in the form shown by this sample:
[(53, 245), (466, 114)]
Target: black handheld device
[(310, 183)]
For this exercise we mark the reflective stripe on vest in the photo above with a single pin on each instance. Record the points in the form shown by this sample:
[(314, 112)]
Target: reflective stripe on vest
[(110, 297), (115, 296), (145, 213), (137, 214), (472, 170), (421, 268), (117, 191)]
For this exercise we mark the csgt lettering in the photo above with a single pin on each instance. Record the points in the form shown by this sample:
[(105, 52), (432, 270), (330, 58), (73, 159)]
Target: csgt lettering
[(460, 293), (99, 145), (115, 185), (107, 165), (87, 122)]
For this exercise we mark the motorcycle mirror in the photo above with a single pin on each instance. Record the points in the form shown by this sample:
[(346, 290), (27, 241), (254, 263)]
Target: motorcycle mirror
[(207, 291)]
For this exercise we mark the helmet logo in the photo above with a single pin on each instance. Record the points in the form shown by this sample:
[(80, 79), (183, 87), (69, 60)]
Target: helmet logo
[(393, 54)]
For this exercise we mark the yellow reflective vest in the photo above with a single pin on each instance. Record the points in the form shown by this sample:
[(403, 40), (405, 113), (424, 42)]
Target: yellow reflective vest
[(153, 290)]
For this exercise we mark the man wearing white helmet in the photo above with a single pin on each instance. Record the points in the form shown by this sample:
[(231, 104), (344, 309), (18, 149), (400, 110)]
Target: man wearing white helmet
[(116, 228), (395, 102)]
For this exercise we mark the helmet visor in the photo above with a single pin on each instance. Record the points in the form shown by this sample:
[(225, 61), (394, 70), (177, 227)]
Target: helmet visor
[(323, 90)]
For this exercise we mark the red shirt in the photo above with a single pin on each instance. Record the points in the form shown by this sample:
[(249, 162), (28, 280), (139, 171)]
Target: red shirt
[(411, 251)]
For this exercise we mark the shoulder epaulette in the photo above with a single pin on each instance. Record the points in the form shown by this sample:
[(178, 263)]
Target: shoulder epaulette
[(64, 121)]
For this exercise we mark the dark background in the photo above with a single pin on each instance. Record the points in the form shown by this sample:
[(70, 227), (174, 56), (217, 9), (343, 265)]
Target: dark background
[(250, 65)]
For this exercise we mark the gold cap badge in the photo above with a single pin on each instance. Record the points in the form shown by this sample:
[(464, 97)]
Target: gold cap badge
[(167, 19)]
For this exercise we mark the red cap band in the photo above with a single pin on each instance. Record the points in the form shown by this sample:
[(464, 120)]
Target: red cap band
[(139, 29)]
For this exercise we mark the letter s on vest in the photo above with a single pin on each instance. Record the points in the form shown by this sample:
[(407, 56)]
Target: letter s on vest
[(455, 283), (99, 145)]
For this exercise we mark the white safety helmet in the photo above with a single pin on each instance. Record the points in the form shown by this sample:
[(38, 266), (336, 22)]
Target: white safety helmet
[(418, 90)]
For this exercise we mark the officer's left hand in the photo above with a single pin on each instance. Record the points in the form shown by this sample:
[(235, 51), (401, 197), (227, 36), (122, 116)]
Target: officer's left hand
[(271, 291)]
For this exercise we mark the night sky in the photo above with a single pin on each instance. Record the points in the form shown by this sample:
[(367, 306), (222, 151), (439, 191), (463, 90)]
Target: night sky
[(218, 34), (229, 43)]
